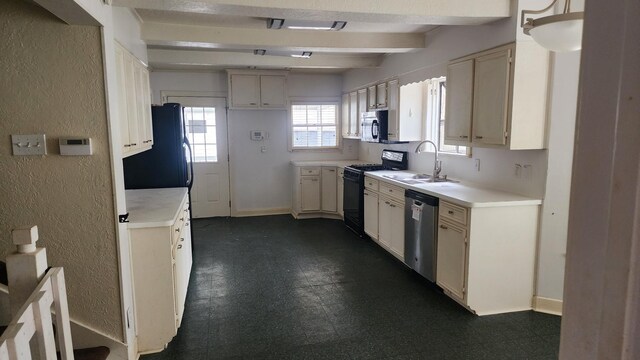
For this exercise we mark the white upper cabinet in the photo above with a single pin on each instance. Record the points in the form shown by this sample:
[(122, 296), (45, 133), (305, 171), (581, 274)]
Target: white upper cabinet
[(372, 100), (134, 103), (405, 111), (381, 95), (272, 91), (354, 132), (344, 118), (497, 98), (457, 127), (257, 90), (351, 112), (491, 98)]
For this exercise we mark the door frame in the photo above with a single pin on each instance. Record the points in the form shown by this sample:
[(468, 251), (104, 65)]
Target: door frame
[(165, 94)]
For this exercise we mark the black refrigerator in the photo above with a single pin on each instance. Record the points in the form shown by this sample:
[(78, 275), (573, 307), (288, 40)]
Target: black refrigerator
[(169, 163)]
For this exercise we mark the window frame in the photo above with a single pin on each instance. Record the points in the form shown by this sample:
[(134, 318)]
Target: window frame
[(315, 101), (433, 119)]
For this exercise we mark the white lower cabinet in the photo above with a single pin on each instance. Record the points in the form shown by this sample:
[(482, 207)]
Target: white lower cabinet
[(486, 256), (310, 193), (161, 262), (329, 189), (317, 191), (371, 213), (452, 257)]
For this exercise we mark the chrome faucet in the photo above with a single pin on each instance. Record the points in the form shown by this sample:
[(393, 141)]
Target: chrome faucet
[(437, 164)]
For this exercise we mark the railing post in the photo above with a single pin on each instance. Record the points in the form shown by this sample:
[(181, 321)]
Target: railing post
[(25, 267)]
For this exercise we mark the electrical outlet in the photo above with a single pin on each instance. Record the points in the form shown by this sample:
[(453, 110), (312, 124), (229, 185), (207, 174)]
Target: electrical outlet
[(477, 164)]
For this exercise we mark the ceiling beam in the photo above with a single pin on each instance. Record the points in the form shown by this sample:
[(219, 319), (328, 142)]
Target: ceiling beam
[(433, 12), (191, 36), (162, 59)]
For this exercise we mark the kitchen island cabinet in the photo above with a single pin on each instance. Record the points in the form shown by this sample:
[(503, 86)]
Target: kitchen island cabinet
[(161, 260)]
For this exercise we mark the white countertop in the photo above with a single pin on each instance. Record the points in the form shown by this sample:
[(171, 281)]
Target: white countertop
[(462, 194), (336, 163), (154, 207)]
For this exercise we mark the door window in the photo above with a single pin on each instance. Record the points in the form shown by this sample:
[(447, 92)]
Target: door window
[(201, 132)]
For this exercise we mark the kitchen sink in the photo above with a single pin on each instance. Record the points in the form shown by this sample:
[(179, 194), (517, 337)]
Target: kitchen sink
[(417, 179)]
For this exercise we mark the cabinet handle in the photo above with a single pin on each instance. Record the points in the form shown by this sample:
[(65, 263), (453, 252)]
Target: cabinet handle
[(134, 144), (443, 227), (450, 212), (366, 193), (464, 136), (390, 134), (393, 206), (265, 103), (177, 230), (478, 137), (181, 219), (386, 202), (181, 239), (127, 145), (390, 190), (253, 104), (331, 170), (180, 246)]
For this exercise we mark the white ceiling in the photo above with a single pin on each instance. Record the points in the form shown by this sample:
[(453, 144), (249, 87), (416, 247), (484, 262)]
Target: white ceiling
[(217, 34)]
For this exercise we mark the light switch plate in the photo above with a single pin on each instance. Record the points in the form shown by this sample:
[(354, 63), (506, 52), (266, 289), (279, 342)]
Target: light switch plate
[(29, 144)]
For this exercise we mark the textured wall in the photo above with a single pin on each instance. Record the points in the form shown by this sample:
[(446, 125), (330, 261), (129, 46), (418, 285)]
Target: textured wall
[(52, 82)]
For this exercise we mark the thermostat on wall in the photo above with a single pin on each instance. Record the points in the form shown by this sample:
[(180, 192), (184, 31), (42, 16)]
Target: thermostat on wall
[(75, 146), (258, 135)]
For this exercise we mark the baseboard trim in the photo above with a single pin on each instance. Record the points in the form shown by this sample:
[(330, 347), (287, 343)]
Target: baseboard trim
[(262, 212), (547, 305)]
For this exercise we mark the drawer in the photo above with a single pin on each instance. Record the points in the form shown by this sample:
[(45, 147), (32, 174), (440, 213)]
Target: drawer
[(453, 212), (370, 183), (392, 191), (310, 170)]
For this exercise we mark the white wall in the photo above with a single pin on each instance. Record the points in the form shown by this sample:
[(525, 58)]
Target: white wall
[(126, 30), (260, 181)]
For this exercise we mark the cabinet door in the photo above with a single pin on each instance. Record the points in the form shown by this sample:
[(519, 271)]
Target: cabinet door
[(381, 95), (393, 105), (272, 91), (122, 100), (139, 71), (310, 193), (385, 222), (457, 125), (329, 189), (132, 108), (371, 214), (182, 270), (345, 115), (452, 254), (491, 98), (397, 229), (362, 107), (372, 99), (147, 108), (409, 110), (340, 195), (353, 114), (245, 91)]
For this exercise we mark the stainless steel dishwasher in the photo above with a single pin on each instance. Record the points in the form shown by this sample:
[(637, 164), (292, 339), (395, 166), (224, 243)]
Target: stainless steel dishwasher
[(420, 233)]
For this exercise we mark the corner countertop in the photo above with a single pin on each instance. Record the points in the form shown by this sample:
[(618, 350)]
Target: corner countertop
[(336, 163), (462, 194), (154, 207)]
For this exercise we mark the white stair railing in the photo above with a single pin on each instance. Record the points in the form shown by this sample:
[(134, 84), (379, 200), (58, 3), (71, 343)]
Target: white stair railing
[(32, 316)]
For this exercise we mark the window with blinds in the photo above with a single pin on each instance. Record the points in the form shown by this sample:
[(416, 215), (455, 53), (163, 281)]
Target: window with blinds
[(314, 126)]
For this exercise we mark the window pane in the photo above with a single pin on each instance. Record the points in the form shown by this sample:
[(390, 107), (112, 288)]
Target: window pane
[(314, 125), (201, 132), (329, 136), (313, 114), (329, 114)]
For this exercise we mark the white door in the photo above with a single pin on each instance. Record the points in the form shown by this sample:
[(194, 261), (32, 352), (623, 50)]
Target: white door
[(206, 122)]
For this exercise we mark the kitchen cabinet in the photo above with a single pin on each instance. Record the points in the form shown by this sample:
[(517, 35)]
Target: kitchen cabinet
[(354, 132), (134, 103), (317, 192), (405, 106), (310, 193), (329, 189), (486, 256), (381, 95), (161, 260), (257, 89), (497, 98), (372, 99), (345, 117), (371, 213)]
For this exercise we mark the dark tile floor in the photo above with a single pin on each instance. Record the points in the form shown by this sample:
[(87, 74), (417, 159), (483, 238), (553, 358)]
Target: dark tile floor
[(278, 288)]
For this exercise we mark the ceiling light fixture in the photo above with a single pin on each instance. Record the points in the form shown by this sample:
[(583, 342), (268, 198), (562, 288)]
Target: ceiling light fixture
[(561, 32), (259, 52), (275, 23), (305, 55), (306, 25)]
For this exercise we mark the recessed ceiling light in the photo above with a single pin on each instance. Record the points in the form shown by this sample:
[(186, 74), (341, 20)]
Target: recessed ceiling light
[(305, 55), (306, 24), (259, 52)]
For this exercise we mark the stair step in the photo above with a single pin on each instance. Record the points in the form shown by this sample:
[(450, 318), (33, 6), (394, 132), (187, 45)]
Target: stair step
[(94, 353)]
